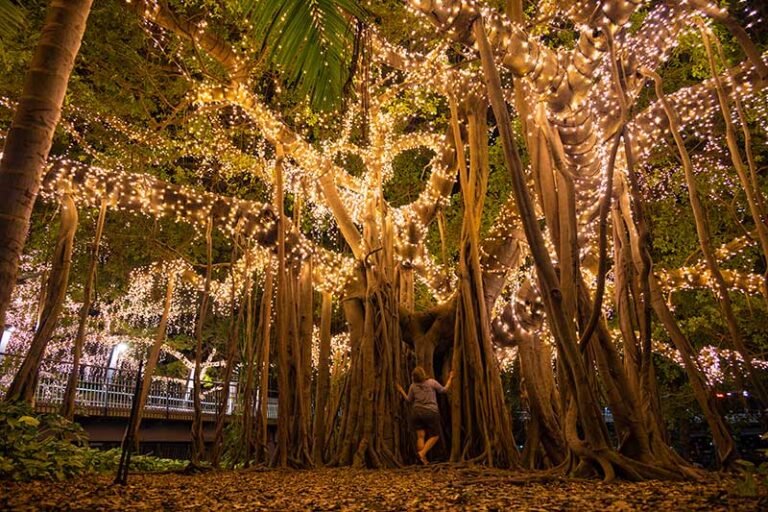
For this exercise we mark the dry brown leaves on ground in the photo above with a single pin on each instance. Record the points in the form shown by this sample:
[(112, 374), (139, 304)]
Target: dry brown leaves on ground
[(432, 488)]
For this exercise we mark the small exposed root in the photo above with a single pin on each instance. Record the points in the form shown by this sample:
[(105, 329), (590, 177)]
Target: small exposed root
[(609, 474)]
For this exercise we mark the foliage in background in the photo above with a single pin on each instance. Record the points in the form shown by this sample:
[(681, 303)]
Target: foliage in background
[(48, 447), (11, 17), (751, 478)]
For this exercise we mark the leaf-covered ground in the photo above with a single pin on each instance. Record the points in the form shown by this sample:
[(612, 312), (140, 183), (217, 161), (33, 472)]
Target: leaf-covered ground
[(432, 488)]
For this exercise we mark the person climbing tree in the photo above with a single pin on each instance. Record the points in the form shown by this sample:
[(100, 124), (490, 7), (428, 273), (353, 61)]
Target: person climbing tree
[(425, 415)]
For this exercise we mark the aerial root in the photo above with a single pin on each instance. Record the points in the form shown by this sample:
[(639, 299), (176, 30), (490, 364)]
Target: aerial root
[(612, 465), (389, 457), (366, 455), (607, 464), (637, 471), (609, 474)]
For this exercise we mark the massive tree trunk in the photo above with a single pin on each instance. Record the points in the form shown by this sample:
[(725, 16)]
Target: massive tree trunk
[(29, 138), (481, 428), (369, 435), (23, 386), (68, 406), (293, 430), (585, 431), (582, 396)]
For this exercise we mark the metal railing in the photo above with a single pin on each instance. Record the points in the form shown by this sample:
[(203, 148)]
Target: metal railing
[(109, 391)]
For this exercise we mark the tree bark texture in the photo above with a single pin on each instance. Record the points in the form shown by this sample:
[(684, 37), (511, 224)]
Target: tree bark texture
[(323, 381), (481, 428), (23, 386), (153, 356), (235, 319), (68, 405), (198, 442), (31, 133)]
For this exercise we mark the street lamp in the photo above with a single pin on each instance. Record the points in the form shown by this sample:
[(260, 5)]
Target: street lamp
[(116, 351), (6, 338)]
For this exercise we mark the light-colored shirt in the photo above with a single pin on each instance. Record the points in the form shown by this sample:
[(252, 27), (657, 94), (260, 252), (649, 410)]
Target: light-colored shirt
[(422, 394)]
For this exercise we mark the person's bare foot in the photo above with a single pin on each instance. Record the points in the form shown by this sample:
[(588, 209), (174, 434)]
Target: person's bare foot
[(423, 458)]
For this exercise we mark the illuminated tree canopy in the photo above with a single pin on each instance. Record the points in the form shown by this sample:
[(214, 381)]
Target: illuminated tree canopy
[(561, 203)]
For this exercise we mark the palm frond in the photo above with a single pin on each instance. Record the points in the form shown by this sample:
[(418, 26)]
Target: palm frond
[(12, 17), (309, 41)]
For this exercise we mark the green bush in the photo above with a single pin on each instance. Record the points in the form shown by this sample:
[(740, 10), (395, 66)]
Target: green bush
[(40, 446), (107, 461), (49, 447), (751, 479)]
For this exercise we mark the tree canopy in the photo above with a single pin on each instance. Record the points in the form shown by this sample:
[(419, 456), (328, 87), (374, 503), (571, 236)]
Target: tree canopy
[(317, 196)]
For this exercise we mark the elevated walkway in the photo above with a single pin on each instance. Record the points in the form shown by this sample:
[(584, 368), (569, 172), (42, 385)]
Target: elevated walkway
[(104, 397)]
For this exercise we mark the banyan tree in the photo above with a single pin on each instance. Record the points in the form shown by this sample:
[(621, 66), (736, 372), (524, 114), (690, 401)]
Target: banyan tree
[(573, 97)]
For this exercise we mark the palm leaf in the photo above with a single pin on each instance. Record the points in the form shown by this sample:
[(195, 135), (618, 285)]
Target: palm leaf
[(12, 17), (309, 41)]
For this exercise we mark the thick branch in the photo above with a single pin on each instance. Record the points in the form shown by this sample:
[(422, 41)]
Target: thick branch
[(159, 13), (563, 78)]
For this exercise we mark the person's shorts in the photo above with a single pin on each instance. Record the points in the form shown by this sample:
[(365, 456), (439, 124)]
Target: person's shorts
[(426, 419)]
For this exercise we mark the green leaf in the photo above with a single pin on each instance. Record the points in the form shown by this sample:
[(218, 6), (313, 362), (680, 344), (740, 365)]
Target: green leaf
[(12, 17), (309, 41), (29, 420)]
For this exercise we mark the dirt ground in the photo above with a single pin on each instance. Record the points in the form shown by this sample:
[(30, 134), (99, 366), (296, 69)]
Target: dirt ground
[(423, 488)]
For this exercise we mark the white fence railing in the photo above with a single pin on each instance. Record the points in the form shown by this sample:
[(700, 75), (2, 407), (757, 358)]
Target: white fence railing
[(110, 390)]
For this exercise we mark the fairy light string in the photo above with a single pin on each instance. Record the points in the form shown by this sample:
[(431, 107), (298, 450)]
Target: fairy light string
[(572, 96)]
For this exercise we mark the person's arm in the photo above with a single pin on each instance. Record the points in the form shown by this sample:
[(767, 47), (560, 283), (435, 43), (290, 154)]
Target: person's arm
[(402, 392), (448, 383), (435, 385)]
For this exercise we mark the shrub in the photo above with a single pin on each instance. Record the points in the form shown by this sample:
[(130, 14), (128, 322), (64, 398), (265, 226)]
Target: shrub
[(49, 447)]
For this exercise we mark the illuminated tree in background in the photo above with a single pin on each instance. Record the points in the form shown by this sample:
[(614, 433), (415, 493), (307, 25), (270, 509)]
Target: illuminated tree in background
[(568, 256)]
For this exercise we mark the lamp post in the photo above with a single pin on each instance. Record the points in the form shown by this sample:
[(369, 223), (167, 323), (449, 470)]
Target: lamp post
[(191, 385)]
